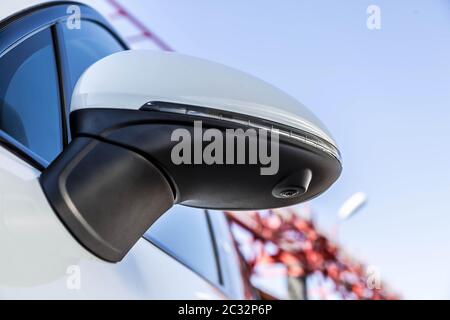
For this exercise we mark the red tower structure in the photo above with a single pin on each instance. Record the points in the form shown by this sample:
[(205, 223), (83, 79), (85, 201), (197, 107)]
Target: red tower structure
[(283, 237)]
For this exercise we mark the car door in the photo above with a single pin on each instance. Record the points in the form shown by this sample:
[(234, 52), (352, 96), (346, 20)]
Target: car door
[(40, 62)]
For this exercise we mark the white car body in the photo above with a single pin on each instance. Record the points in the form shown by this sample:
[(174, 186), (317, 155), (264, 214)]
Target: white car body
[(41, 260)]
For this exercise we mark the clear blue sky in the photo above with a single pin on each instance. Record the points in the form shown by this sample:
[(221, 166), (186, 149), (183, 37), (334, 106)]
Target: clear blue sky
[(384, 95)]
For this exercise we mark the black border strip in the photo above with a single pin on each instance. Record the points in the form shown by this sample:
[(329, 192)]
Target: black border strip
[(62, 89), (215, 248)]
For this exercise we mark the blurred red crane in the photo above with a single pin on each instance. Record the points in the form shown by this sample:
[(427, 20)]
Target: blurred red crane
[(143, 33), (283, 237)]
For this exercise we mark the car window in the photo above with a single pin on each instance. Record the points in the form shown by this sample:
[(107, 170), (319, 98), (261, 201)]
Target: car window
[(235, 275), (185, 234), (29, 96), (87, 45)]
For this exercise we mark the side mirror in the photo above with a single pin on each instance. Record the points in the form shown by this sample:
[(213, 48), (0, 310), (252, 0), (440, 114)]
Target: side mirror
[(154, 129)]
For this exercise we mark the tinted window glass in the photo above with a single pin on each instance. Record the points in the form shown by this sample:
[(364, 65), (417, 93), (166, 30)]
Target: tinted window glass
[(87, 45), (29, 96), (184, 233)]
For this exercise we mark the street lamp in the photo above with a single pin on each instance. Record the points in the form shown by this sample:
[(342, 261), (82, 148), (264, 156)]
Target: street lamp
[(348, 209), (352, 205)]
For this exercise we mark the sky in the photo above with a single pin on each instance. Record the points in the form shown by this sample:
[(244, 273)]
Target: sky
[(384, 95)]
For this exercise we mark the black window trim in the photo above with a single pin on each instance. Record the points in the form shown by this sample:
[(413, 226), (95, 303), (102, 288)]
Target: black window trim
[(222, 231), (18, 28), (65, 85), (221, 285), (215, 248), (62, 90)]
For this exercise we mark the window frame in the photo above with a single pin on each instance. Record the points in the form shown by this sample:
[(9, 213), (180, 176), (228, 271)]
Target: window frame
[(220, 284), (16, 29), (64, 62), (220, 233), (220, 227)]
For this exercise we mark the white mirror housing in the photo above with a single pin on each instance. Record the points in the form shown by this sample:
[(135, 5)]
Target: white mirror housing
[(130, 79), (152, 129)]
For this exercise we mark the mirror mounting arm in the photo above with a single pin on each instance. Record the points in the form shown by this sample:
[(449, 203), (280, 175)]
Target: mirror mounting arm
[(107, 196)]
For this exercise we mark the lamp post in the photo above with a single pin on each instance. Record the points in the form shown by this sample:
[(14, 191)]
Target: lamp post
[(348, 209)]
